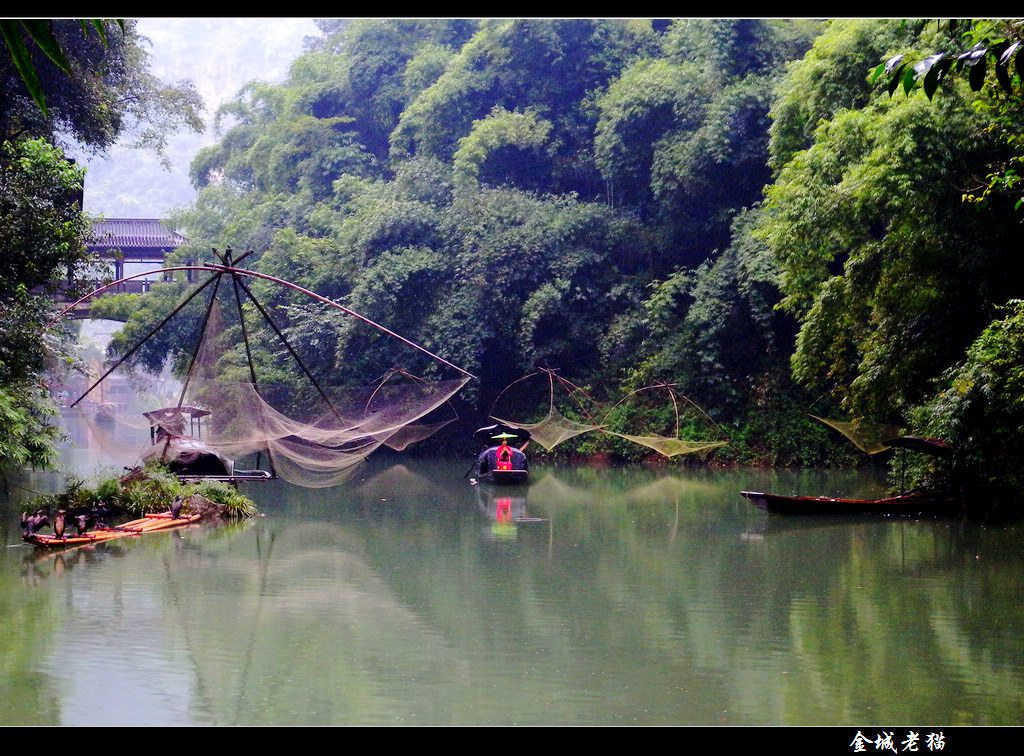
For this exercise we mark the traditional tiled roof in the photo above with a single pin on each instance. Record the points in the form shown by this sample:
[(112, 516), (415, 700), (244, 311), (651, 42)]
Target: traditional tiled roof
[(132, 233)]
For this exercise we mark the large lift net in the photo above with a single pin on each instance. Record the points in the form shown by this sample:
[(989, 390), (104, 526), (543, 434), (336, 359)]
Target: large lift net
[(556, 427), (311, 435)]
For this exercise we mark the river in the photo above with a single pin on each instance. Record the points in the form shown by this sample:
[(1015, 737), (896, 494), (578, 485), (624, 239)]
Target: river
[(594, 596)]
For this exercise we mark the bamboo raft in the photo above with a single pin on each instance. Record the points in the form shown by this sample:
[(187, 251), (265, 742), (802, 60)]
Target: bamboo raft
[(148, 524)]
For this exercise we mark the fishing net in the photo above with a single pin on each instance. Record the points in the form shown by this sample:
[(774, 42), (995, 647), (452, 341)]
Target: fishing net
[(106, 425), (412, 433), (865, 435), (667, 446), (552, 430), (555, 427), (320, 450), (313, 437), (305, 432), (651, 403)]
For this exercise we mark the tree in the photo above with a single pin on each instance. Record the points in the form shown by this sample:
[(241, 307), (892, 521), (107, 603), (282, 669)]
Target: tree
[(510, 147), (551, 68), (59, 85), (994, 65), (682, 138), (43, 230), (996, 43), (979, 408), (541, 175), (101, 92), (41, 35), (890, 274)]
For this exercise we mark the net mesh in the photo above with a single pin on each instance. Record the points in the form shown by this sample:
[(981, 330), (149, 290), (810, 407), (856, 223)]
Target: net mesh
[(865, 435), (312, 438), (556, 428), (667, 446), (553, 429), (107, 420), (316, 442)]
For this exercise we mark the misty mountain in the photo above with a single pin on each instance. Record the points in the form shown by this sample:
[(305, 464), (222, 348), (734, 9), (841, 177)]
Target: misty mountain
[(218, 55)]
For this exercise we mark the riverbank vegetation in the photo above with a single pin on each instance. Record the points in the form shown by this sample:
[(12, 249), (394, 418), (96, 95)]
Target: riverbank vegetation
[(148, 489), (733, 207), (578, 195)]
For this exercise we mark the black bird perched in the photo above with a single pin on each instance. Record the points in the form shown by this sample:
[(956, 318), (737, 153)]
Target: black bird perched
[(99, 516), (84, 521), (176, 507), (58, 523), (31, 524)]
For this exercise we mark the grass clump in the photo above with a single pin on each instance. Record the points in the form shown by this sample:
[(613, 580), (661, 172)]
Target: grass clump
[(149, 489)]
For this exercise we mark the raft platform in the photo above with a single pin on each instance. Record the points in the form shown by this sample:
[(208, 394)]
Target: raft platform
[(148, 524)]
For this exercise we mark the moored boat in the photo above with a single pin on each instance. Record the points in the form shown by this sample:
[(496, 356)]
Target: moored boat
[(921, 502), (916, 502), (502, 464), (503, 477), (176, 440)]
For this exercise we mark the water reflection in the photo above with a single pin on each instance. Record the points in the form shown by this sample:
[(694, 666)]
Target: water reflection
[(637, 596), (504, 510)]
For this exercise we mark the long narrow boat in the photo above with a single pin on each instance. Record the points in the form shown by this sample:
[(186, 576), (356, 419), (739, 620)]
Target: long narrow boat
[(147, 524), (501, 464), (906, 504), (504, 477)]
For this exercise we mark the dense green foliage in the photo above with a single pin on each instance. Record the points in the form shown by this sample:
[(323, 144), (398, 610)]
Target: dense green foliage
[(522, 193), (989, 57), (894, 277), (105, 93), (729, 206), (42, 231)]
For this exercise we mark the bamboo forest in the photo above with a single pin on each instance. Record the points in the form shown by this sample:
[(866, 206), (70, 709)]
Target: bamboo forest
[(731, 207), (676, 247)]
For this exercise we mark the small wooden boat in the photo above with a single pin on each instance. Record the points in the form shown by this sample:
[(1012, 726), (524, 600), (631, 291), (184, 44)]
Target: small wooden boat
[(503, 477), (175, 435), (148, 524), (923, 502), (501, 464)]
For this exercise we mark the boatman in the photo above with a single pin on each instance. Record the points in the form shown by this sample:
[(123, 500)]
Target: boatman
[(503, 457)]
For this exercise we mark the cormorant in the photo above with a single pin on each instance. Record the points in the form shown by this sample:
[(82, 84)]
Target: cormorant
[(99, 516), (58, 523), (84, 521), (32, 524), (176, 507)]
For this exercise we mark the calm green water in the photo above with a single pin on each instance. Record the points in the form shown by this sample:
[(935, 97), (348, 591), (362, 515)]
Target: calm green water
[(610, 596)]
